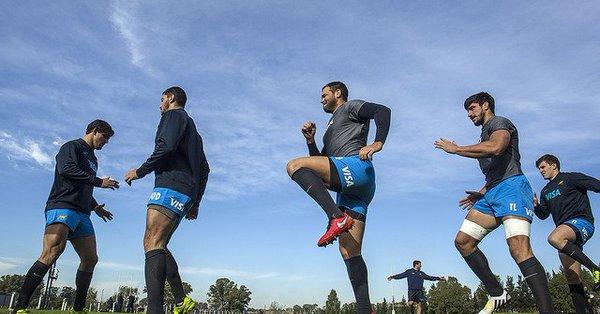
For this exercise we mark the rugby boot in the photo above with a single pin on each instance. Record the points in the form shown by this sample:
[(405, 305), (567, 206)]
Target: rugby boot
[(335, 227), (495, 302), (187, 306)]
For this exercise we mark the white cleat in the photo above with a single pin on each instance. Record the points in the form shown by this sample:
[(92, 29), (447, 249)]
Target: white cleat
[(495, 302)]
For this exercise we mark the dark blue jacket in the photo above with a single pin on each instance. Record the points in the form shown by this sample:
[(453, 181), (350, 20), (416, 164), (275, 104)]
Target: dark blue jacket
[(415, 278), (178, 160)]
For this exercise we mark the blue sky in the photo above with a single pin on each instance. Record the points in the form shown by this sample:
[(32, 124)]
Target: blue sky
[(253, 73)]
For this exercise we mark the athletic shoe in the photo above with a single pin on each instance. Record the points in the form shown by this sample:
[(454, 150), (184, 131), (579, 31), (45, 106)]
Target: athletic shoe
[(335, 228), (495, 302), (188, 305), (596, 277), (23, 311)]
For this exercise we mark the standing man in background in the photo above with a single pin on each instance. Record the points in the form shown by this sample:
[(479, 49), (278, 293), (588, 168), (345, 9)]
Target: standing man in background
[(415, 278)]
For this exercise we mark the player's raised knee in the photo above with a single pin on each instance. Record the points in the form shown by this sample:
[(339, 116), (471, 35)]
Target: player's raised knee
[(293, 166), (556, 241)]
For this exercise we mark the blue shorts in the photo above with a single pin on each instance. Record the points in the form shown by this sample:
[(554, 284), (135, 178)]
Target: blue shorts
[(80, 224), (357, 182), (584, 230), (174, 201), (513, 196)]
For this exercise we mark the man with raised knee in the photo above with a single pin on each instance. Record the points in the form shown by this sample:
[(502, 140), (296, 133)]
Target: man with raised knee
[(506, 198), (68, 212), (565, 198), (344, 166), (181, 172)]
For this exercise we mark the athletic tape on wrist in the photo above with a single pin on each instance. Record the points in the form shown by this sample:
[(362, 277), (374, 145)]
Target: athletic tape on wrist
[(474, 230), (514, 227)]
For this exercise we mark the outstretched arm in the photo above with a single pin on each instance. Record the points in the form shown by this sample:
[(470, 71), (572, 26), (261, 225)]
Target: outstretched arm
[(495, 146), (399, 276), (432, 278)]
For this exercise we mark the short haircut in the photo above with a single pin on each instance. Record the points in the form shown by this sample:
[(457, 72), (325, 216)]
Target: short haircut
[(334, 86), (549, 159), (416, 262), (100, 126), (480, 98), (178, 93)]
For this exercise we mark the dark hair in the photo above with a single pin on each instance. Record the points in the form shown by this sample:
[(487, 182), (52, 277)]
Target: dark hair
[(416, 262), (550, 159), (480, 98), (334, 86), (178, 93), (100, 126)]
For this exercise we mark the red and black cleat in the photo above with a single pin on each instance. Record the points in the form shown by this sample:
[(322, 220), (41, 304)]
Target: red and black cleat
[(336, 227)]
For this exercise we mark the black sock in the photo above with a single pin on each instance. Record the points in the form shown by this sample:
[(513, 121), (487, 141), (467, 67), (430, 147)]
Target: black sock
[(479, 265), (312, 184), (174, 279), (155, 272), (578, 297), (357, 271), (34, 276), (82, 283), (536, 279), (574, 252)]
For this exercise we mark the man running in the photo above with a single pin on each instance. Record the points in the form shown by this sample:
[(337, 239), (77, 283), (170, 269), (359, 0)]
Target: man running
[(181, 172), (506, 198), (565, 198), (344, 166), (68, 212), (415, 278)]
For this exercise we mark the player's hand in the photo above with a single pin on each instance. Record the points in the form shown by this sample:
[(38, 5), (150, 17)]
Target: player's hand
[(103, 213), (368, 151), (444, 278), (109, 183), (309, 129), (470, 200), (536, 201), (131, 175), (447, 145), (192, 214), (389, 278)]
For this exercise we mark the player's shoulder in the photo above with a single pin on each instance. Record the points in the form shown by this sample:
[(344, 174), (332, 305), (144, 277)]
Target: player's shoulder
[(502, 120), (354, 103), (72, 143)]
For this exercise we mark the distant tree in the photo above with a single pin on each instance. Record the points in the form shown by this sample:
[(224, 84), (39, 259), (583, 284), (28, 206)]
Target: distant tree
[(225, 295), (67, 293), (510, 289), (450, 297), (275, 307), (332, 305), (169, 298), (480, 297), (559, 291), (348, 308), (297, 309), (92, 296), (522, 300), (310, 308), (382, 308)]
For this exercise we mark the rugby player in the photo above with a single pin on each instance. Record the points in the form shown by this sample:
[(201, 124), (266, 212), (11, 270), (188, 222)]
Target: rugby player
[(506, 198), (415, 278), (344, 166), (68, 212), (565, 198), (181, 172)]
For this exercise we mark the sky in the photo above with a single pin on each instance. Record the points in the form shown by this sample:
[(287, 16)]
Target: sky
[(253, 72)]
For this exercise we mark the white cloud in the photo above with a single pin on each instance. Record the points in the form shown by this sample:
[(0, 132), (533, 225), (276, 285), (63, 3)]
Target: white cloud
[(225, 272), (25, 149), (123, 19), (4, 266)]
